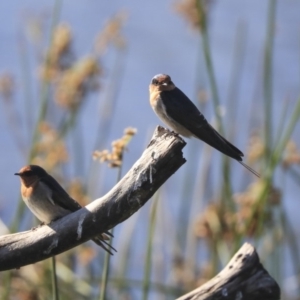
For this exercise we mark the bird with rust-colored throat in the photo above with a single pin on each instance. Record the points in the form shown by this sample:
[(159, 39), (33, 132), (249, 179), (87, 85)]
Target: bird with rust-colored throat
[(48, 201), (178, 112)]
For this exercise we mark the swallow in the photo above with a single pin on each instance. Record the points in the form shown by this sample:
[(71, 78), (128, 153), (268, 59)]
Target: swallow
[(48, 201), (178, 112)]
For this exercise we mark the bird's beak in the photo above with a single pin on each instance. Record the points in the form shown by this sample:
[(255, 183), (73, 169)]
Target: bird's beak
[(165, 83), (18, 174)]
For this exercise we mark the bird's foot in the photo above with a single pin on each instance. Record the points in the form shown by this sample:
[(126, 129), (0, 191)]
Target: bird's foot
[(36, 227), (176, 134)]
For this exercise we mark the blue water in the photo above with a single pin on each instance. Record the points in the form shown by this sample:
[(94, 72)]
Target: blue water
[(158, 41)]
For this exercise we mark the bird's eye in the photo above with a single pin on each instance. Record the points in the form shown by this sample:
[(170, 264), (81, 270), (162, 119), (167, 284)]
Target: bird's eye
[(27, 173), (155, 81)]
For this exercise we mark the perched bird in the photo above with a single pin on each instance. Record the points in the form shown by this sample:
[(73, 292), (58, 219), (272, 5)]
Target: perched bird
[(48, 201), (179, 112)]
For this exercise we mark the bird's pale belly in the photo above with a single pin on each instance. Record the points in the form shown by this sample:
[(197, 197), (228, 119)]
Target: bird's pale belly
[(43, 207), (160, 110), (39, 210)]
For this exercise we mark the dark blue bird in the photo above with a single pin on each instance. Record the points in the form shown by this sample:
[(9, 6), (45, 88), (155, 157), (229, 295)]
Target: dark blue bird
[(179, 113)]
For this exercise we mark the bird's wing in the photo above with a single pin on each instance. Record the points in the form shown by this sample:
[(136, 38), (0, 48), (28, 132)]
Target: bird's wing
[(184, 111), (59, 195)]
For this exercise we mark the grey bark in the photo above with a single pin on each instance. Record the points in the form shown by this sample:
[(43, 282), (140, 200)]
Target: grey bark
[(162, 158), (244, 278)]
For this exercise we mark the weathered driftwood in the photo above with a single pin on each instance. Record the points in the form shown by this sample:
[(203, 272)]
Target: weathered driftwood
[(244, 278), (159, 161)]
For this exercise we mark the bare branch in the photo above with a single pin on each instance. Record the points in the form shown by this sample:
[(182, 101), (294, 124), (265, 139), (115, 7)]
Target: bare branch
[(244, 278), (162, 158)]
